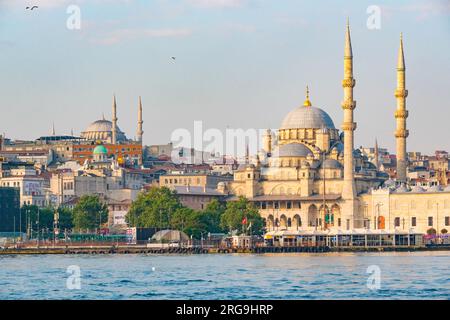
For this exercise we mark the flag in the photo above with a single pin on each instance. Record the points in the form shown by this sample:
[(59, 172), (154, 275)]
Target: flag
[(244, 221)]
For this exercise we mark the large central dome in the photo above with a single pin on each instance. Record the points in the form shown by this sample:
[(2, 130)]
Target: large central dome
[(307, 117), (102, 130)]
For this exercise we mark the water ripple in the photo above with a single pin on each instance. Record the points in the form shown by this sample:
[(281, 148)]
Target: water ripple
[(420, 275)]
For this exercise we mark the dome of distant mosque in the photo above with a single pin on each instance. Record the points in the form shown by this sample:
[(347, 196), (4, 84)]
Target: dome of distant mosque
[(102, 130)]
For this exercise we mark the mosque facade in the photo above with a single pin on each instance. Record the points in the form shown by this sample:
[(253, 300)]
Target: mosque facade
[(310, 177)]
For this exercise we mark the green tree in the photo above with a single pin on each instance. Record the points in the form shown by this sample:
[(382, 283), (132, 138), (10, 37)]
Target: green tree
[(235, 213), (65, 218), (211, 216), (153, 208), (37, 217), (188, 221), (89, 213)]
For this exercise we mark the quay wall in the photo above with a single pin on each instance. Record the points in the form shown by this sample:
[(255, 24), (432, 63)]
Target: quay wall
[(199, 250)]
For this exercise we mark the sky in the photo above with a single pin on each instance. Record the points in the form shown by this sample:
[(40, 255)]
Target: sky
[(239, 64)]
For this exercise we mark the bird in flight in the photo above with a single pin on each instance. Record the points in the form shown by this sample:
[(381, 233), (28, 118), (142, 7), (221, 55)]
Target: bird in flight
[(174, 58), (32, 8)]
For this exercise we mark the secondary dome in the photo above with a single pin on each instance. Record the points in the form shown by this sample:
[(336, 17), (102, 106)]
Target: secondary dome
[(102, 130), (307, 117), (100, 149), (292, 150), (331, 164)]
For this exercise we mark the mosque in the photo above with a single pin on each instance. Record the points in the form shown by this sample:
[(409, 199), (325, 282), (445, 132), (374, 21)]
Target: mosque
[(114, 140), (309, 176), (108, 131)]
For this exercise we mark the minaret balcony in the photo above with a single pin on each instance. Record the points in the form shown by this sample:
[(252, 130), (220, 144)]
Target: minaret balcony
[(349, 126), (403, 114), (348, 105), (348, 83), (402, 133), (401, 93)]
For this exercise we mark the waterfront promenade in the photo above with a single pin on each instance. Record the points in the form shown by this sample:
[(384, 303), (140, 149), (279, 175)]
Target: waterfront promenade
[(143, 249)]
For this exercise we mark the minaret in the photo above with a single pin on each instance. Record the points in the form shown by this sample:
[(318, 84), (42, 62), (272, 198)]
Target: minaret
[(400, 115), (267, 142), (53, 129), (376, 156), (114, 121), (140, 132), (348, 126)]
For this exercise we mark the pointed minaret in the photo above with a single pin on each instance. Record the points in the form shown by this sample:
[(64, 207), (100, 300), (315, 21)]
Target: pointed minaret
[(140, 132), (351, 216), (114, 121), (247, 154), (53, 129), (348, 126), (400, 115), (376, 156)]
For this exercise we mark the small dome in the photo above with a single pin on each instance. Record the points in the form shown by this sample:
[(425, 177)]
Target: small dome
[(100, 149), (307, 117), (331, 164), (292, 150)]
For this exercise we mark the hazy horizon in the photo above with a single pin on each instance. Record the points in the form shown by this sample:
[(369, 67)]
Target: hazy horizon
[(239, 64)]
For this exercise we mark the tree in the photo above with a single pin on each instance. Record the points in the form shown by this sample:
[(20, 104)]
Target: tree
[(211, 216), (233, 217), (65, 218), (35, 217), (153, 208), (89, 213), (189, 221)]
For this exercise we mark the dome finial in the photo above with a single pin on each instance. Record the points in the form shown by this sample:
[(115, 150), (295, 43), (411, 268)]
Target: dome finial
[(307, 102)]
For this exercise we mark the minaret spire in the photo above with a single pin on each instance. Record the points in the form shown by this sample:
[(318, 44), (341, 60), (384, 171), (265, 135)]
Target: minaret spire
[(140, 132), (376, 155), (53, 129), (348, 126), (114, 121), (348, 41), (401, 114)]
